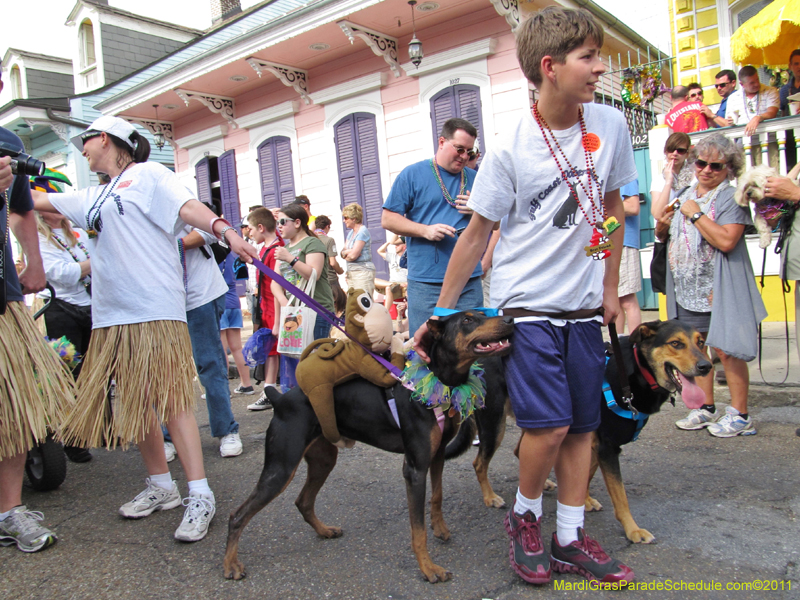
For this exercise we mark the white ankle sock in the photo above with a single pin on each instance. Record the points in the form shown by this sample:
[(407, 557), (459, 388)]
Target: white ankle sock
[(200, 486), (523, 504), (163, 481), (568, 520)]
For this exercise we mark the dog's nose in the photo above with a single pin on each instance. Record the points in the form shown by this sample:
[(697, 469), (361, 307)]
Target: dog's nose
[(508, 320), (704, 367)]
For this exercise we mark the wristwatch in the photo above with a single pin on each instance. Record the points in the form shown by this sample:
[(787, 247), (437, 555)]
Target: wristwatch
[(223, 232), (696, 217), (296, 258)]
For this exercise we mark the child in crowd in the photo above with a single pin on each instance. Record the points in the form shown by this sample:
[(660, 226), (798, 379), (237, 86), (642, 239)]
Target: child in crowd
[(262, 232), (230, 326), (553, 182)]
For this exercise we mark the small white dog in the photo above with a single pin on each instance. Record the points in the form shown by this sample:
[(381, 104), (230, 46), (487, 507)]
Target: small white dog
[(751, 189)]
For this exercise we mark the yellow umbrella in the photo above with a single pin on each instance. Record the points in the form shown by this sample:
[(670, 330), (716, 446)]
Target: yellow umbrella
[(769, 37)]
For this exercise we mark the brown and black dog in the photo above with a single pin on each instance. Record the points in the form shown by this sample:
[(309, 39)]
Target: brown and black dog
[(363, 414), (670, 356)]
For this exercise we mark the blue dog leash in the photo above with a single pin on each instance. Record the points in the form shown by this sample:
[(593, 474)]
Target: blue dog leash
[(640, 418)]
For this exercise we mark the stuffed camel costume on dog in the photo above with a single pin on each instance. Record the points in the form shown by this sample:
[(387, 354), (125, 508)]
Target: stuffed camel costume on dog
[(328, 362)]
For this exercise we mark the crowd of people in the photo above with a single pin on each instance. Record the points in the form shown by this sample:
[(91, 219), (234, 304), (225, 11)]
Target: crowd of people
[(529, 235)]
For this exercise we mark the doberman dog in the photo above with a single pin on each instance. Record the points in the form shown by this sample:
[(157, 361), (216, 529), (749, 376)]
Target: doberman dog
[(661, 359), (364, 415)]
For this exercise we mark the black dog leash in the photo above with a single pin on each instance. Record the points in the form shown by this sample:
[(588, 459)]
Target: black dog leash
[(616, 350)]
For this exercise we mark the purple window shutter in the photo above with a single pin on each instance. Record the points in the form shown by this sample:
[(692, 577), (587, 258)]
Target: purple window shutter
[(462, 101), (275, 168), (347, 159), (229, 188), (202, 174), (356, 139), (370, 176)]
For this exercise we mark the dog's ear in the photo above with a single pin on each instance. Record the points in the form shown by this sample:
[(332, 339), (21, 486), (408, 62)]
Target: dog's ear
[(644, 331), (435, 328), (350, 291)]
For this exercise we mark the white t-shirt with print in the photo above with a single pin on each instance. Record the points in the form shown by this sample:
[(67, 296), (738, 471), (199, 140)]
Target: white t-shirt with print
[(540, 263), (136, 271), (747, 108)]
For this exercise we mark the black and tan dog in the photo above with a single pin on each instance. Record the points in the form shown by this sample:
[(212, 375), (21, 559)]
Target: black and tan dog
[(661, 359), (363, 414)]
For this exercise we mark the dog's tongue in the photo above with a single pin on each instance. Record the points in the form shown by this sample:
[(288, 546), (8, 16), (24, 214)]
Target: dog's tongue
[(693, 396)]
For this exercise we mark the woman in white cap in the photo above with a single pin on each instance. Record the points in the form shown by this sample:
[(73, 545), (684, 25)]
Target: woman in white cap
[(140, 337)]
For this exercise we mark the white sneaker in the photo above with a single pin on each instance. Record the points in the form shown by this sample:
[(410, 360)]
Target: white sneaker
[(262, 403), (169, 451), (230, 445), (696, 419), (732, 424), (200, 509), (151, 499)]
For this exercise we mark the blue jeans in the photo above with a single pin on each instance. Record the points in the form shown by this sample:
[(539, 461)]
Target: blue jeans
[(212, 365), (422, 298)]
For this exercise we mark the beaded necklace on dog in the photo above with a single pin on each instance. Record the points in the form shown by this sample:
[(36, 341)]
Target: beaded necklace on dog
[(599, 246), (430, 391), (445, 193)]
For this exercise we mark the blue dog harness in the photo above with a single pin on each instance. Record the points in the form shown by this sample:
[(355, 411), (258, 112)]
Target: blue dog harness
[(640, 418)]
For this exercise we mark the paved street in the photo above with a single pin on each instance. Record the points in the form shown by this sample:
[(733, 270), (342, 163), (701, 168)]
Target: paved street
[(721, 510)]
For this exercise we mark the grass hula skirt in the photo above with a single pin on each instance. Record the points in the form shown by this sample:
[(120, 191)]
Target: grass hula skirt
[(152, 366), (37, 387)]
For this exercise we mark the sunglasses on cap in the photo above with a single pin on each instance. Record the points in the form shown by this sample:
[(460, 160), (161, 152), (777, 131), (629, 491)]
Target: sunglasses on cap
[(701, 164), (470, 152), (85, 137)]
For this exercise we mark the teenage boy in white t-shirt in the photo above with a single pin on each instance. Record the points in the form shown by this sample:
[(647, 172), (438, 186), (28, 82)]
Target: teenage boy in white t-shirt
[(536, 182)]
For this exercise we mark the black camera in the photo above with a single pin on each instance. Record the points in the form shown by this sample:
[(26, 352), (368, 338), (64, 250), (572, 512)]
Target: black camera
[(22, 163)]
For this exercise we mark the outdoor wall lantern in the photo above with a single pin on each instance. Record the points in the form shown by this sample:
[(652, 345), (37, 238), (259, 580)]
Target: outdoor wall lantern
[(158, 136), (414, 46)]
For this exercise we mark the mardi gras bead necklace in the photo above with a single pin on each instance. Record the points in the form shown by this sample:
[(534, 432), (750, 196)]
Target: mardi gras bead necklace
[(602, 225), (445, 193), (94, 223), (431, 392), (86, 281)]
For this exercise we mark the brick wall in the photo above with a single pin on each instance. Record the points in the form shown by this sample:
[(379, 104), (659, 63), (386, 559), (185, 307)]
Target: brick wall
[(222, 9)]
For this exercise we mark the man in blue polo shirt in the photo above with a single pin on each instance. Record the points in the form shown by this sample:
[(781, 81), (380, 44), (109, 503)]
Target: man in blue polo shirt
[(427, 205)]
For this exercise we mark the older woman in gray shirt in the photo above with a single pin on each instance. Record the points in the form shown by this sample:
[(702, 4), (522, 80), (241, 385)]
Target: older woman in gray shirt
[(709, 266)]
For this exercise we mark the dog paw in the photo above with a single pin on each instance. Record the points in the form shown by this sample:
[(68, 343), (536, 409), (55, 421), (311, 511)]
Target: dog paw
[(436, 574), (494, 501), (440, 531), (550, 485), (234, 570), (641, 536), (592, 505), (330, 532)]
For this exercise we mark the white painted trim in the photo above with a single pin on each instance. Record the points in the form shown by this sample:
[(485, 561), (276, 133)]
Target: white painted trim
[(354, 87), (268, 115), (248, 45), (56, 65), (138, 26), (23, 113), (477, 74), (451, 58), (197, 154), (284, 127), (217, 132)]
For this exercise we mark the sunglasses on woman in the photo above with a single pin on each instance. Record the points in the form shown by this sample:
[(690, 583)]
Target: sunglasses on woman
[(701, 164), (283, 221), (680, 151)]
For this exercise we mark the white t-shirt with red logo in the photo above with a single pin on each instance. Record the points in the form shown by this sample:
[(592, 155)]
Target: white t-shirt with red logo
[(136, 271)]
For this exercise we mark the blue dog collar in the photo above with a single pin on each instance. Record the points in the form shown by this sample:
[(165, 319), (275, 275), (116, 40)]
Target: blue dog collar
[(611, 402), (446, 312)]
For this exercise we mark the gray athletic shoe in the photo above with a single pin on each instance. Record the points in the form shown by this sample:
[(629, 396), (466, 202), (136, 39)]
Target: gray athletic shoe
[(151, 499), (22, 528), (200, 509)]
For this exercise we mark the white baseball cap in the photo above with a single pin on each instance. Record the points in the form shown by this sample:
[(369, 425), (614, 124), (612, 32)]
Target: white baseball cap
[(110, 125)]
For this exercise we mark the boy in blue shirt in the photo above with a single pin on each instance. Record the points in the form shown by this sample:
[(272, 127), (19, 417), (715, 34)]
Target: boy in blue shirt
[(553, 183)]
